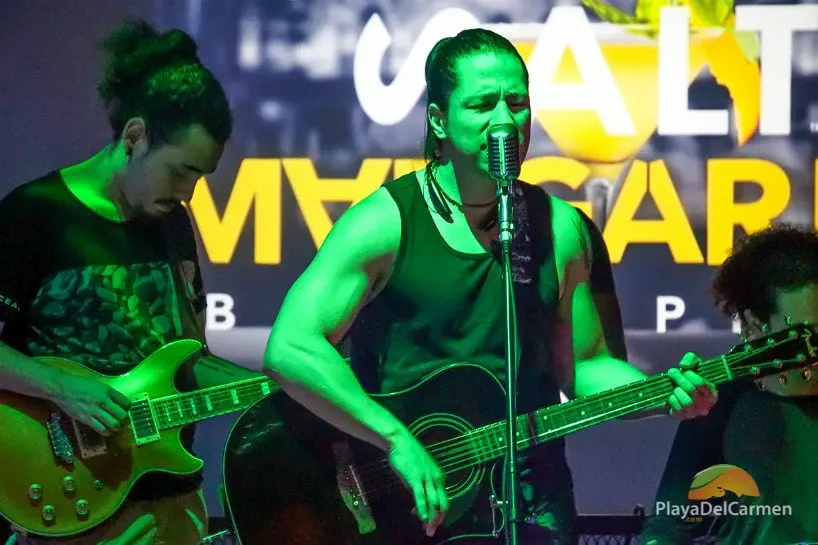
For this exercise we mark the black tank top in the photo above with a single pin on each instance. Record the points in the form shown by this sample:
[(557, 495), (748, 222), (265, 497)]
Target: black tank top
[(442, 306)]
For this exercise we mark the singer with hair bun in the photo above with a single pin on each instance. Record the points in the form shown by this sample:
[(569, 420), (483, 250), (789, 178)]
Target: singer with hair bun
[(410, 279), (100, 268)]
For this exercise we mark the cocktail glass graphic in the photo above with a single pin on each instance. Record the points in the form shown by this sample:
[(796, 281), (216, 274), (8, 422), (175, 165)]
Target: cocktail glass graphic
[(632, 56)]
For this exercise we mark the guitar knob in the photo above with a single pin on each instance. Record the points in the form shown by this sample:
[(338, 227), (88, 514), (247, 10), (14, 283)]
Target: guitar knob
[(82, 507), (48, 513), (69, 484), (35, 492), (806, 373), (98, 485)]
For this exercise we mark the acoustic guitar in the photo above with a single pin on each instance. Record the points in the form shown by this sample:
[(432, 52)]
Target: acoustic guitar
[(292, 479)]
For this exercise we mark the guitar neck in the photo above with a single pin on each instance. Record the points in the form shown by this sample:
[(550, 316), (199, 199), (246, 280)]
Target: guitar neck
[(190, 407), (559, 420), (488, 443)]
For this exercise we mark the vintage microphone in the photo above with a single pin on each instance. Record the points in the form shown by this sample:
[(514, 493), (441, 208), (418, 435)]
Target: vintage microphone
[(504, 168)]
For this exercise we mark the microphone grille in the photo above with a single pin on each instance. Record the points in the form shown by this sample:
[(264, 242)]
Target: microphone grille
[(503, 152)]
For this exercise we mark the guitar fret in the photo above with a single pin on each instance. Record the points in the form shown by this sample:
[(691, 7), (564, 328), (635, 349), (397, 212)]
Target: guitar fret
[(483, 441), (545, 424), (194, 406)]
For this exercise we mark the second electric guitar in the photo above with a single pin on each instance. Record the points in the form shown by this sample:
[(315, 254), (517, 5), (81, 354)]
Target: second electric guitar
[(60, 478)]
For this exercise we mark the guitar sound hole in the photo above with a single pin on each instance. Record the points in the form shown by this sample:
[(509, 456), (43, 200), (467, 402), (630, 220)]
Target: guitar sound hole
[(443, 437)]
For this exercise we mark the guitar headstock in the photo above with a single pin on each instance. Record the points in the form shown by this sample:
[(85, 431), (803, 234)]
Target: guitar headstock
[(793, 347)]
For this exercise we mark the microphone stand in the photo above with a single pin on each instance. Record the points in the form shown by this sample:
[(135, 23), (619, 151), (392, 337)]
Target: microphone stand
[(512, 488)]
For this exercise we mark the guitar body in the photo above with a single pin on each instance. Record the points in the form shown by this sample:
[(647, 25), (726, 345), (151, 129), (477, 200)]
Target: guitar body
[(46, 495), (286, 471)]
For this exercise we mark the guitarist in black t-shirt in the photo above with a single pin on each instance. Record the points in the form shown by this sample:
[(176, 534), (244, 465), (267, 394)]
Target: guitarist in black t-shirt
[(100, 265)]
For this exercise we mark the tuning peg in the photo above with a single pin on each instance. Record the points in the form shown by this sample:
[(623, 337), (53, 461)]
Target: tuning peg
[(806, 373), (765, 328), (788, 320)]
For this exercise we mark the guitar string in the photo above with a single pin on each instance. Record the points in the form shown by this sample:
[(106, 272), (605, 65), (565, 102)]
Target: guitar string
[(465, 447), (217, 399), (470, 456), (486, 454), (219, 396), (220, 399), (467, 439), (715, 365)]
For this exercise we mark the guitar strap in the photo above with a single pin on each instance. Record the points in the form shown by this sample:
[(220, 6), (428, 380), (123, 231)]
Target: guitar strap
[(537, 304), (538, 199), (182, 281)]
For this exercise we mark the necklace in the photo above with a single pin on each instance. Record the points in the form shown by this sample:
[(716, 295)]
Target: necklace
[(464, 204)]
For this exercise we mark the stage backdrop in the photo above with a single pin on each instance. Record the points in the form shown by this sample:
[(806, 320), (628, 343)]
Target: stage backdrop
[(674, 141)]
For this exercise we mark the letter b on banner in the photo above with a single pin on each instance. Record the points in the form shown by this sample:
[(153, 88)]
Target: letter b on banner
[(220, 315)]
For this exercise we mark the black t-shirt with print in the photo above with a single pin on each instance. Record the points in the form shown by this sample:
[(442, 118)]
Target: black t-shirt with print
[(79, 286)]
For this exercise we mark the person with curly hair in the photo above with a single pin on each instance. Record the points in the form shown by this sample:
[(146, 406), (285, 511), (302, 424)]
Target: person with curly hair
[(100, 264), (767, 428)]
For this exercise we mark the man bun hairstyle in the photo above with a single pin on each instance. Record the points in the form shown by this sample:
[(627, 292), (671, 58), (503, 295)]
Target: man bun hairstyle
[(158, 77)]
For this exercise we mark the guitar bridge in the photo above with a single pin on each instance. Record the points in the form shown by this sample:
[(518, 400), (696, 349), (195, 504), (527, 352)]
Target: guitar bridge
[(60, 445), (349, 485)]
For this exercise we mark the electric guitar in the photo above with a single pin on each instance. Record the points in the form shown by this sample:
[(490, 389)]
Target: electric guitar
[(60, 478), (292, 479)]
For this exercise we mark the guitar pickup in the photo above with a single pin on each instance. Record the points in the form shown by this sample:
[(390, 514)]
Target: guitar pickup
[(143, 421)]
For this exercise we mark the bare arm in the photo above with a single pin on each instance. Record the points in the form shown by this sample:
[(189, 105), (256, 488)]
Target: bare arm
[(317, 311), (215, 371), (589, 319), (596, 369), (27, 376), (83, 397)]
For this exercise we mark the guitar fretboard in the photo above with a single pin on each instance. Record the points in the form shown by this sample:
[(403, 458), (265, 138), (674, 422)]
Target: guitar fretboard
[(187, 408), (488, 442)]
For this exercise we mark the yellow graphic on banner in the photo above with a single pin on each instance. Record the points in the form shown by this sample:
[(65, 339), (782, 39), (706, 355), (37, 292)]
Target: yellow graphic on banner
[(716, 481), (634, 64), (732, 57)]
